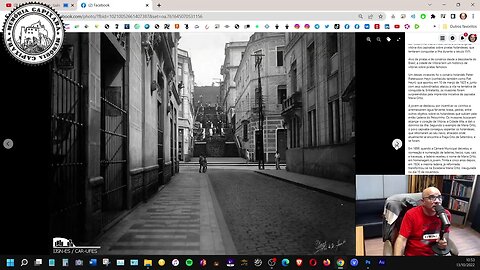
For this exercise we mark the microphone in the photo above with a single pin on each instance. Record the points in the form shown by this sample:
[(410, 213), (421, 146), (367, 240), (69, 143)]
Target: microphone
[(442, 215), (445, 224)]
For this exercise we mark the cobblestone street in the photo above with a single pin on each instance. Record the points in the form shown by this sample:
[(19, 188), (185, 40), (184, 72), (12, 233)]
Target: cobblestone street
[(234, 211), (268, 216)]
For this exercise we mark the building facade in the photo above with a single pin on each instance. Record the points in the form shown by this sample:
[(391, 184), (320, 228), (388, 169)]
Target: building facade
[(319, 109), (186, 81), (273, 84), (228, 93), (111, 94)]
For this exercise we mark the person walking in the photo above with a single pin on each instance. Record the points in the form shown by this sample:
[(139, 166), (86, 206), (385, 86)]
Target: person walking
[(277, 161), (204, 167), (200, 161), (247, 156)]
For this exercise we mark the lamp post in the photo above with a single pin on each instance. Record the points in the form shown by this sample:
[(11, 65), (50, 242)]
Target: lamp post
[(259, 145)]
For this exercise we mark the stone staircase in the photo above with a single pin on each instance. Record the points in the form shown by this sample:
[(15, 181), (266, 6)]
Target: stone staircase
[(217, 146)]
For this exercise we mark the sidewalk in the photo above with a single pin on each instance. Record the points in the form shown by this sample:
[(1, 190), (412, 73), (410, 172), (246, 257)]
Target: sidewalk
[(214, 161), (184, 218), (330, 186), (211, 160)]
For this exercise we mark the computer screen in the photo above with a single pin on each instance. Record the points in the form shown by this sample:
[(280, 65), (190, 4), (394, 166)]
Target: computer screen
[(220, 135)]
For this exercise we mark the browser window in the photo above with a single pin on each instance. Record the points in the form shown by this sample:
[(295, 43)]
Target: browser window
[(221, 135)]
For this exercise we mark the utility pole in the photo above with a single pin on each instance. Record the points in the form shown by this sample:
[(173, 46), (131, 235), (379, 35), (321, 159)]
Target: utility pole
[(221, 99), (260, 151)]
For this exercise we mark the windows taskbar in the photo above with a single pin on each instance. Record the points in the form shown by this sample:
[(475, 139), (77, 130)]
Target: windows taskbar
[(235, 262)]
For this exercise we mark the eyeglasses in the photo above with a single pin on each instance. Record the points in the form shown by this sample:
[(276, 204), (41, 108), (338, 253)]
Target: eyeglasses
[(433, 197)]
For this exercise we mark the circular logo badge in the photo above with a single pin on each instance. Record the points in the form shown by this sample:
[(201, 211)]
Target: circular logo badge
[(33, 33)]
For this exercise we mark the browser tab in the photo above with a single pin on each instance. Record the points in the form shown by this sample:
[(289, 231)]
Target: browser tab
[(114, 6), (7, 5)]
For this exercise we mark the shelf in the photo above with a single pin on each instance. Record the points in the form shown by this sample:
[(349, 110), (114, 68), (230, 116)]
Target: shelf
[(458, 193), (459, 197), (459, 180), (456, 212)]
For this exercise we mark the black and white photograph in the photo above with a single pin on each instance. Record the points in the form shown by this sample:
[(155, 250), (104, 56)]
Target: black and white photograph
[(200, 143)]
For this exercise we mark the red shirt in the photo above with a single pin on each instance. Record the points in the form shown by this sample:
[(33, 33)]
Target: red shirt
[(421, 231)]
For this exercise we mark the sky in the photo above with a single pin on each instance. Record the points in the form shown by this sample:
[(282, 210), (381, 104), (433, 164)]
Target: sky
[(207, 52)]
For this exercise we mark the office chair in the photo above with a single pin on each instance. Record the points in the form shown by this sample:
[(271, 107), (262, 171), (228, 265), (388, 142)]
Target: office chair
[(395, 208)]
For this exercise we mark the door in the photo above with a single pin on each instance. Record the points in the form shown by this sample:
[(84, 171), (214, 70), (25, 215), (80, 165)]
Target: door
[(259, 152), (67, 144), (113, 144), (282, 143)]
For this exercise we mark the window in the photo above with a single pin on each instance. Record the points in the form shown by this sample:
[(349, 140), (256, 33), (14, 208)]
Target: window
[(245, 132), (334, 121), (295, 132), (180, 71), (332, 45), (312, 128), (293, 76), (280, 56), (181, 113), (180, 144), (311, 65), (281, 93), (292, 133)]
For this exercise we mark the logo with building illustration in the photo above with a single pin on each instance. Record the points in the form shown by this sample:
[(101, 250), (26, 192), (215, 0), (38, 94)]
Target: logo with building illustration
[(66, 246), (33, 33)]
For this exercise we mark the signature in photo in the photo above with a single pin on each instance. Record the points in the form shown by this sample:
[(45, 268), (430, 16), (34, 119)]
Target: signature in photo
[(324, 245)]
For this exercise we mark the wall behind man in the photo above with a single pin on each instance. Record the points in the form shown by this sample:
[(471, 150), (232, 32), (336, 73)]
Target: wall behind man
[(380, 186)]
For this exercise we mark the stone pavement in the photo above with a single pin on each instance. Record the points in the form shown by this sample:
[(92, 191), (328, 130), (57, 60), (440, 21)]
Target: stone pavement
[(267, 216), (186, 218), (333, 187), (182, 218)]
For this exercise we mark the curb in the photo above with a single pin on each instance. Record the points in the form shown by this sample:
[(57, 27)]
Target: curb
[(309, 187)]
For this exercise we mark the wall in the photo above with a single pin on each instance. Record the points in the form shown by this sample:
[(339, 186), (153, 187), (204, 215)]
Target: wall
[(135, 103), (380, 186), (185, 116), (200, 148), (294, 160), (270, 126), (332, 162), (215, 148), (150, 121), (136, 128), (246, 81), (143, 123), (91, 76), (233, 57)]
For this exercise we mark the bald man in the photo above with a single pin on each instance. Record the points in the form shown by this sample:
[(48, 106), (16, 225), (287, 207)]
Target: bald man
[(420, 228)]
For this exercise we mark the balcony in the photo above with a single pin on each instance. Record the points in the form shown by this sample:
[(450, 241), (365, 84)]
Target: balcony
[(291, 103)]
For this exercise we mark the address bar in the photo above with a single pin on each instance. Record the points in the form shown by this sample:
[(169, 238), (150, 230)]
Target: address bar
[(225, 15)]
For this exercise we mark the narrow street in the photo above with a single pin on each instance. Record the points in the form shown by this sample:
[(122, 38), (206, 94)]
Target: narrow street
[(234, 211), (268, 216)]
